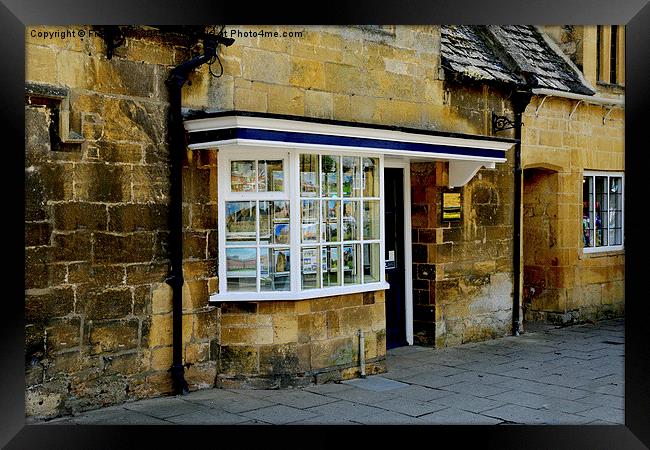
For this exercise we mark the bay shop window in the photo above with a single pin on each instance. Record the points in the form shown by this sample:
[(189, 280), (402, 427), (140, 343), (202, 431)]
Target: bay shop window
[(300, 201), (296, 222)]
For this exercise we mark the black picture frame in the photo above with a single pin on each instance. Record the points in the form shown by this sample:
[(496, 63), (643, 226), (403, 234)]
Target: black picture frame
[(17, 14)]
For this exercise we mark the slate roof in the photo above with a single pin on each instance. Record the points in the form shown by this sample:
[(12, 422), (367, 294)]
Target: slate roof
[(509, 54)]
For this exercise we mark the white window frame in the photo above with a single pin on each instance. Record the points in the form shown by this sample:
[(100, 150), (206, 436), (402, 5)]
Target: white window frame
[(291, 158), (607, 248)]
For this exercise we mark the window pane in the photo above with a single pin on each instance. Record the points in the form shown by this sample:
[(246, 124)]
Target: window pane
[(371, 219), (352, 264), (587, 211), (615, 211), (350, 220), (270, 176), (309, 217), (331, 221), (330, 176), (370, 177), (241, 265), (274, 222), (242, 176), (601, 211), (309, 176), (309, 268), (351, 176), (330, 263), (275, 269), (370, 263), (240, 222)]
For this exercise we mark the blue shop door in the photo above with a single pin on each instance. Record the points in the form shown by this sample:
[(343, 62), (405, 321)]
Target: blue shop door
[(394, 257)]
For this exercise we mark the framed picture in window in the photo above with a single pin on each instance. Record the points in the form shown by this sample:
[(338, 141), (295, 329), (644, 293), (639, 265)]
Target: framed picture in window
[(309, 232), (309, 260), (281, 233), (281, 262)]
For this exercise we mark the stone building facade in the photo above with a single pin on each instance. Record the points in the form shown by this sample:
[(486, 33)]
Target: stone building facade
[(563, 141), (98, 309)]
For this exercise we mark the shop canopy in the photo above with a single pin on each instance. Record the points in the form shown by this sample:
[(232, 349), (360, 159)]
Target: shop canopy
[(466, 154)]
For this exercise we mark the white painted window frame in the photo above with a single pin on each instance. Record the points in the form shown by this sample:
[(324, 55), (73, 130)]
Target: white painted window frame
[(607, 248), (291, 159)]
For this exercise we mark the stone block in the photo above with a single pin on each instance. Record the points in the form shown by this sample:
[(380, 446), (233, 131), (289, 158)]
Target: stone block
[(44, 304), (353, 319), (242, 336), (237, 359), (114, 336), (99, 275), (34, 343), (37, 267), (204, 217), (146, 273), (273, 307), (333, 352), (285, 329), (196, 352), (113, 248), (319, 104), (307, 73), (135, 217), (425, 271), (62, 334), (113, 303), (206, 323), (195, 294), (333, 324), (161, 299), (37, 233), (257, 64), (279, 359), (74, 246), (250, 100), (161, 358), (286, 100), (194, 245), (125, 364), (102, 183)]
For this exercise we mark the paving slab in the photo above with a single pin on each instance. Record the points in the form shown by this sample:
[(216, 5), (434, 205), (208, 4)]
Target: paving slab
[(606, 413), (421, 393), (117, 417), (468, 402), (376, 383), (454, 416), (409, 407), (278, 414), (345, 410), (209, 417), (163, 408)]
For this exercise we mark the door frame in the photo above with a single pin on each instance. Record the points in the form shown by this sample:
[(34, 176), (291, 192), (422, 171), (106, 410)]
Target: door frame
[(405, 164)]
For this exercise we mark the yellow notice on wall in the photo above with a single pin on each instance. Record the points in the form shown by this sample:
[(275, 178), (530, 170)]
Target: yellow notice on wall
[(451, 206)]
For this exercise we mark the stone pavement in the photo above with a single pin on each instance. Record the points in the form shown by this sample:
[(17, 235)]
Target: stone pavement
[(567, 376)]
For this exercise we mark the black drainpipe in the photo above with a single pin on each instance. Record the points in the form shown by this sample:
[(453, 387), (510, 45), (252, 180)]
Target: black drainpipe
[(519, 102), (176, 136)]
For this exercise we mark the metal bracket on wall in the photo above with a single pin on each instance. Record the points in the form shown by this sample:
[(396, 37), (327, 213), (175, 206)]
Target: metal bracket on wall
[(113, 38), (540, 105), (500, 123), (574, 108)]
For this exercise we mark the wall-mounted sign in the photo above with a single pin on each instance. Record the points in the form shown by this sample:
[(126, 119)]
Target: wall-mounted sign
[(451, 208)]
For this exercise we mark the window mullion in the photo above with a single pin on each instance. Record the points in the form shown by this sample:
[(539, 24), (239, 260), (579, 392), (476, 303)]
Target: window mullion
[(295, 221)]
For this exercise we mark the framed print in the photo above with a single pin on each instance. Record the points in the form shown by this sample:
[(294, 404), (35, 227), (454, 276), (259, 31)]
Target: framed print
[(281, 233)]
